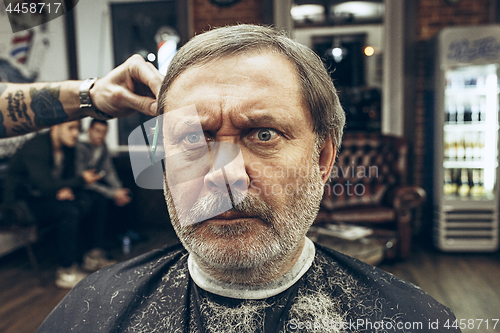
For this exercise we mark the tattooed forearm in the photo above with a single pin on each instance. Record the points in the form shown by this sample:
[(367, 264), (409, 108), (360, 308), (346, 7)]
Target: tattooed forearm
[(30, 107), (46, 106)]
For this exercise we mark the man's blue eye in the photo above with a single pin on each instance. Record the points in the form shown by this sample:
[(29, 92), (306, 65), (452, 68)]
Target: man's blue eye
[(193, 137), (264, 134)]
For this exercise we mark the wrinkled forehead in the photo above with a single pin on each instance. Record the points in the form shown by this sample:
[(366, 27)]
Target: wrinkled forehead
[(271, 52), (243, 91)]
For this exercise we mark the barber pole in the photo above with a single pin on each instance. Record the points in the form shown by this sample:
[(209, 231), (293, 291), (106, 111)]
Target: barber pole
[(21, 44)]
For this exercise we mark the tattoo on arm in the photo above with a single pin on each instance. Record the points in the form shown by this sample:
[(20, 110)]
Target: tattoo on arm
[(18, 112), (46, 106), (47, 109), (17, 108)]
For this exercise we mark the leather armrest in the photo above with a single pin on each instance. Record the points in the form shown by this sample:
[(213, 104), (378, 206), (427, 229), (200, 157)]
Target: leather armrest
[(405, 197)]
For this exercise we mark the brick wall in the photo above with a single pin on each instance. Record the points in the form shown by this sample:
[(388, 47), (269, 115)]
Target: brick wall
[(207, 15), (432, 16)]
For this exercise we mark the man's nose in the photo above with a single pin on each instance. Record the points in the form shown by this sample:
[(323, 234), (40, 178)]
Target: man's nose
[(228, 168)]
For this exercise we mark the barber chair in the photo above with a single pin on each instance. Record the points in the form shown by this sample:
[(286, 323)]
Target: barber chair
[(368, 187)]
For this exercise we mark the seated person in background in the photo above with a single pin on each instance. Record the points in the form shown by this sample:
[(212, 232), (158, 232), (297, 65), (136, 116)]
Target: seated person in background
[(42, 172), (267, 105), (92, 153)]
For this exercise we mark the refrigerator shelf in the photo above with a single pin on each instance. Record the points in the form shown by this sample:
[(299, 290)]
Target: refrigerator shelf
[(481, 164), (454, 199), (476, 126), (472, 91)]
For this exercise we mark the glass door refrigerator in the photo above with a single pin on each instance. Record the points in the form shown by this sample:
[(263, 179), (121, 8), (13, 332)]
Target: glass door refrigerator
[(466, 105)]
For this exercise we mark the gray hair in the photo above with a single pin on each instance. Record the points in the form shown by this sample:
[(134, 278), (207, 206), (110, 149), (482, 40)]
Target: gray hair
[(317, 87)]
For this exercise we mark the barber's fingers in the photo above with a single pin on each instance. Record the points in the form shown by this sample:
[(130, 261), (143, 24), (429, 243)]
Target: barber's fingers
[(145, 73), (130, 87), (143, 104)]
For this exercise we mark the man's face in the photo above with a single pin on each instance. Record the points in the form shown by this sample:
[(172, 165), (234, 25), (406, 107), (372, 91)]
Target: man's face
[(68, 133), (97, 134), (252, 101)]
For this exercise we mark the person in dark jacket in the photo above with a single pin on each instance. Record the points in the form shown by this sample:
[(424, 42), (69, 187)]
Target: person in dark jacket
[(43, 174), (93, 154)]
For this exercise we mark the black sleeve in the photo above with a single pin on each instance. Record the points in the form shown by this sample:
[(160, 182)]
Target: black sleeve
[(37, 157)]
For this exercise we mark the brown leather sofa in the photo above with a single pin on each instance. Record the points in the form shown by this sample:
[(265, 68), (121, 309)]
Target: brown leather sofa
[(368, 186)]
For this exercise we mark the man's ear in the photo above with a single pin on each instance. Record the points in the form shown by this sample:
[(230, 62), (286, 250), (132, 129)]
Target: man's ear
[(326, 158)]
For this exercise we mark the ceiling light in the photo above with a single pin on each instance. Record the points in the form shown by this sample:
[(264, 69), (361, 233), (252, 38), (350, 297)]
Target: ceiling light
[(360, 10), (369, 51), (151, 57), (309, 12)]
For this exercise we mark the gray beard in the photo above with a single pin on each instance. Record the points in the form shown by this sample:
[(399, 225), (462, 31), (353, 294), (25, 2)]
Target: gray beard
[(264, 254)]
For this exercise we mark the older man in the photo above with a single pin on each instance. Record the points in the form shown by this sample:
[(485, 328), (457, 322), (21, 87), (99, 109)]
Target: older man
[(251, 122)]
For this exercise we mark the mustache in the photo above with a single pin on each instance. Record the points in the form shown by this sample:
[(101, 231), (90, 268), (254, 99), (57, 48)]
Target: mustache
[(216, 203)]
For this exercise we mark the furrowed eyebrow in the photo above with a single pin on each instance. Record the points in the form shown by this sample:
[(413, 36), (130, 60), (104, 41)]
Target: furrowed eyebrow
[(185, 123), (191, 123), (267, 120), (174, 127), (257, 120)]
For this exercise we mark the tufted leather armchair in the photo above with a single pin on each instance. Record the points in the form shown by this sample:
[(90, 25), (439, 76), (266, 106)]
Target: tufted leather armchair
[(368, 187)]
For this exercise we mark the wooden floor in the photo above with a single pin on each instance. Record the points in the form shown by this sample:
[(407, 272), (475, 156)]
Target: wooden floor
[(25, 299), (467, 283)]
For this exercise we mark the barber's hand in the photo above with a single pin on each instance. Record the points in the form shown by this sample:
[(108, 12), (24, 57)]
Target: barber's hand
[(90, 176), (130, 87), (121, 197), (65, 194)]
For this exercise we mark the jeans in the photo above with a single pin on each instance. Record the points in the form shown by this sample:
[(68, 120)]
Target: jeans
[(80, 223)]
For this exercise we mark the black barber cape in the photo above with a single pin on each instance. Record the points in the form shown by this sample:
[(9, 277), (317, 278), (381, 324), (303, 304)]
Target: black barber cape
[(155, 293)]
